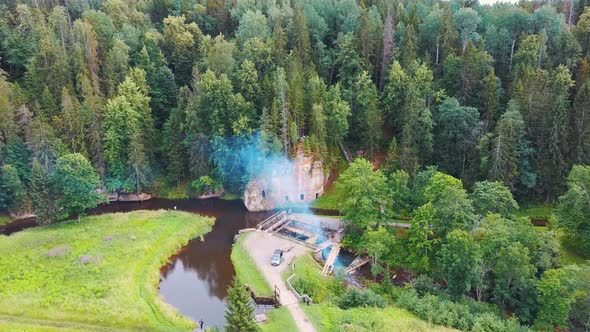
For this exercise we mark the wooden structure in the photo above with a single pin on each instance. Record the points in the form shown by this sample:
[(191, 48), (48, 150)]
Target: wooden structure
[(357, 263), (271, 221), (323, 245), (329, 265)]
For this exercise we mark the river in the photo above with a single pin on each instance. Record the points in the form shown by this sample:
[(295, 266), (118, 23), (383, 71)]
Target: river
[(195, 281)]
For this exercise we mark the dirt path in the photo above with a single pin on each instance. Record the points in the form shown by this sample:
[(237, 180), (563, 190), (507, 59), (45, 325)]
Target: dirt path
[(260, 246)]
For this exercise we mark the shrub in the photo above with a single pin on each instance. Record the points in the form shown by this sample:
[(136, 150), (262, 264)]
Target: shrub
[(466, 315), (311, 286), (423, 285), (361, 298)]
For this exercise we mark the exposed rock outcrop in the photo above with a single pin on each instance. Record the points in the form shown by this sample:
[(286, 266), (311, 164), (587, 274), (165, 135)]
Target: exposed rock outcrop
[(300, 181)]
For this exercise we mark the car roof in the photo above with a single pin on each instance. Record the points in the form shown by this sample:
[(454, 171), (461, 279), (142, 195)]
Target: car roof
[(278, 251)]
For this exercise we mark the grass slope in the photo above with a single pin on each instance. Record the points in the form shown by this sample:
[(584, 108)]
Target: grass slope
[(280, 320), (327, 316), (329, 200), (4, 218), (247, 270), (100, 272)]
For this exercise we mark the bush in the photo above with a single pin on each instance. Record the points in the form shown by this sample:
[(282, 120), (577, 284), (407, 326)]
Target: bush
[(205, 185), (466, 315), (311, 286), (425, 285), (361, 298)]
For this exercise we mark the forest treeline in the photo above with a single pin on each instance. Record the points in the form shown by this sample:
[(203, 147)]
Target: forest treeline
[(145, 90)]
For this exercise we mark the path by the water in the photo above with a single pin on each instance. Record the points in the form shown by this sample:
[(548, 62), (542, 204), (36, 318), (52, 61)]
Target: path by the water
[(260, 246)]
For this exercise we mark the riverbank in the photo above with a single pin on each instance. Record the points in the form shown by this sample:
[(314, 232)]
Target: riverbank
[(102, 271), (246, 269)]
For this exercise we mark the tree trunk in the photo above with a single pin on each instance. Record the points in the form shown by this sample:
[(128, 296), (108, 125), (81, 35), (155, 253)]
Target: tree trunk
[(437, 47), (512, 51)]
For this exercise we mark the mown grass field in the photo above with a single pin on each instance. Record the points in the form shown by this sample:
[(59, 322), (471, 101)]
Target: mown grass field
[(101, 273), (247, 270)]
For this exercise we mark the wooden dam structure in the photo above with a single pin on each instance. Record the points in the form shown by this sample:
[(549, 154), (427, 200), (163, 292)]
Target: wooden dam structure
[(282, 223)]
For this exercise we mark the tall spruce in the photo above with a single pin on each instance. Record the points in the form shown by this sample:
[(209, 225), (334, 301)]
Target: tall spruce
[(239, 315), (43, 195)]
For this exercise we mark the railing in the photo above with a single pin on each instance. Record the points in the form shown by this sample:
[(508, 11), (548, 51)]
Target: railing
[(304, 298), (270, 220)]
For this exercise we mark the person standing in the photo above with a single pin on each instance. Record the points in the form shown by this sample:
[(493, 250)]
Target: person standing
[(201, 324)]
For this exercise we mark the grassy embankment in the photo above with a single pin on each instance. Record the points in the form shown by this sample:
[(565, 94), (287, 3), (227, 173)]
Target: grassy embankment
[(327, 316), (278, 319), (328, 201), (4, 218), (98, 274), (247, 270)]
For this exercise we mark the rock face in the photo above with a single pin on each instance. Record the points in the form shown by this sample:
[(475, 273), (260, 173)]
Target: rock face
[(298, 181)]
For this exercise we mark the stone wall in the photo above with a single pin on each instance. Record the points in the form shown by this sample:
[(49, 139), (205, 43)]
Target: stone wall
[(301, 182)]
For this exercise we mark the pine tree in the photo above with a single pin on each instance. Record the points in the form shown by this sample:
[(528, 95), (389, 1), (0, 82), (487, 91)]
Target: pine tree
[(42, 194), (240, 312)]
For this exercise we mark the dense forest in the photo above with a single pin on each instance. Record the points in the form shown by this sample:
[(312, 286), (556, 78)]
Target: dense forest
[(462, 106), (145, 90)]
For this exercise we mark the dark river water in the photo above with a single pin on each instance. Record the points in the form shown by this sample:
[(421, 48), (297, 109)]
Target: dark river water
[(196, 280)]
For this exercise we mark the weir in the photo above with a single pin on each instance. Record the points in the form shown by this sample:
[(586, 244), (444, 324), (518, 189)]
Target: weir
[(329, 265)]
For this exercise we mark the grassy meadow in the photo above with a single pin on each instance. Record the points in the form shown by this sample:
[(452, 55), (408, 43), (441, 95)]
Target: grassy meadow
[(101, 273)]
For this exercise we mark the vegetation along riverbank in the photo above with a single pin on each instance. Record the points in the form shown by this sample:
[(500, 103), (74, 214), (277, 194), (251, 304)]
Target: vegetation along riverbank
[(97, 274)]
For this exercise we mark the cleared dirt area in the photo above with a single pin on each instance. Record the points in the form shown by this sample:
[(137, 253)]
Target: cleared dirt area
[(260, 247)]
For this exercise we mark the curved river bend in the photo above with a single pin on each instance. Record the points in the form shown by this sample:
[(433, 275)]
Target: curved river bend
[(196, 279)]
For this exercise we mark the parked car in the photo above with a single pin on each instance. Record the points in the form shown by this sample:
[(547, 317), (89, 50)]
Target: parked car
[(277, 258)]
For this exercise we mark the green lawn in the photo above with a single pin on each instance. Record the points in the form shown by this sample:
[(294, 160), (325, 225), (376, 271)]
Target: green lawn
[(328, 201), (279, 320), (100, 273), (247, 270)]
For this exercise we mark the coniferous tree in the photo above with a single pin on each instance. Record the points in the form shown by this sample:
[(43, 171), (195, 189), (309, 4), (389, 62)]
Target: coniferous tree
[(509, 153), (14, 191), (42, 194), (239, 315)]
